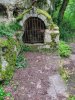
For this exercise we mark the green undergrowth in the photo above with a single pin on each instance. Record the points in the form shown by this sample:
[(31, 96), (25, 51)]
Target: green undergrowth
[(64, 74), (9, 29), (64, 49), (4, 94), (21, 61), (35, 48), (71, 97), (26, 48)]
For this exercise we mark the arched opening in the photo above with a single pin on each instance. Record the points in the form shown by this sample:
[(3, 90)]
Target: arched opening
[(3, 10), (34, 30)]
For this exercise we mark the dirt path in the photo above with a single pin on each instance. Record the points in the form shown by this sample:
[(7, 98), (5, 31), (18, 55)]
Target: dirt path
[(40, 80)]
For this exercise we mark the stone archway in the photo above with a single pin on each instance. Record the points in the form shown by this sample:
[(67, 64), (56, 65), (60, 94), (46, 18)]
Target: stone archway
[(49, 30), (34, 29)]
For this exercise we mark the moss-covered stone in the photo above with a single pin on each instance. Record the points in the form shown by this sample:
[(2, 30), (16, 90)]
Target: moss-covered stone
[(39, 11), (20, 17), (8, 55), (53, 43)]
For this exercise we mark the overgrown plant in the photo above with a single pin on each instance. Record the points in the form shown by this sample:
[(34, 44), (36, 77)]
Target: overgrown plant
[(71, 97), (25, 48), (64, 49), (21, 62), (64, 73), (3, 94), (9, 29)]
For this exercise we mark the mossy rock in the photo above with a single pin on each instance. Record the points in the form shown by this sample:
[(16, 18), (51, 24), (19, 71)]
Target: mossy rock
[(20, 16), (46, 14), (8, 55), (38, 11)]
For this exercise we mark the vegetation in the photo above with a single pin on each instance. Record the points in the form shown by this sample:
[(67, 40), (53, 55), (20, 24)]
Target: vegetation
[(65, 20), (64, 74), (9, 29), (9, 55), (3, 94), (21, 61), (64, 49), (63, 13), (71, 98)]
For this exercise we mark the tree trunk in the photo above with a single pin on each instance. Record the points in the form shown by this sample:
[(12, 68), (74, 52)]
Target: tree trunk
[(62, 11)]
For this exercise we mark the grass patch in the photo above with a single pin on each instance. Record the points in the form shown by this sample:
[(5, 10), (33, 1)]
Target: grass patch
[(20, 17)]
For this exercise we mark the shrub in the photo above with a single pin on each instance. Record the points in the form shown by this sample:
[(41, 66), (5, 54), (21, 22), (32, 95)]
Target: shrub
[(21, 61), (71, 98), (9, 29), (5, 30), (64, 49), (14, 26), (3, 94)]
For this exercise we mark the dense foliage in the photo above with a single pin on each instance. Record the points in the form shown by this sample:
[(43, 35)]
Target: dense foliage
[(21, 61), (3, 94), (64, 49), (67, 26), (9, 29)]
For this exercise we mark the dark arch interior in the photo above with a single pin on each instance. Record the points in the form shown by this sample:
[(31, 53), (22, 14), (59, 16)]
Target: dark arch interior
[(34, 30), (3, 10), (15, 11)]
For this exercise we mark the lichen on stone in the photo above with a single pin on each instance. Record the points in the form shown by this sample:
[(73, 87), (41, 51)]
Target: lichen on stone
[(39, 11), (20, 17), (7, 57)]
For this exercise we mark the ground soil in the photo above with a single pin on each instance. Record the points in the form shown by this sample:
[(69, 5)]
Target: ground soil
[(40, 80)]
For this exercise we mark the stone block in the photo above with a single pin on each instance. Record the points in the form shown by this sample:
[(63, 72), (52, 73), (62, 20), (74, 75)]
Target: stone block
[(47, 38)]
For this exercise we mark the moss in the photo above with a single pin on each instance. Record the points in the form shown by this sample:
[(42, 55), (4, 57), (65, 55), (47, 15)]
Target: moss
[(3, 42), (53, 35), (64, 49), (10, 56), (20, 17), (53, 44), (27, 48), (52, 26), (39, 11)]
